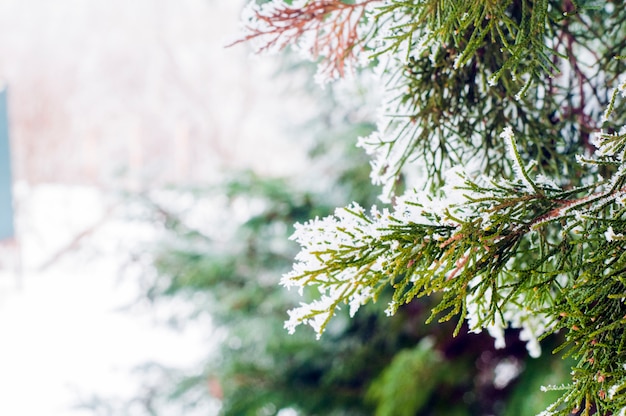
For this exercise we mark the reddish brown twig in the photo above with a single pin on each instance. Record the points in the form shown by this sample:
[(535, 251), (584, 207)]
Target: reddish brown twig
[(329, 25)]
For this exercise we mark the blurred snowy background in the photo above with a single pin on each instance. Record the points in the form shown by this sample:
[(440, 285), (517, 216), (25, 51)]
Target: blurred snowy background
[(108, 98)]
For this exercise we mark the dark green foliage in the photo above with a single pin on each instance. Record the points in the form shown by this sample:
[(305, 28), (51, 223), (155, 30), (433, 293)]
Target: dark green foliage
[(401, 389)]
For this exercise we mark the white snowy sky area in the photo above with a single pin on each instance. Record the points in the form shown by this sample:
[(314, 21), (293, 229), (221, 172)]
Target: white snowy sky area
[(106, 97)]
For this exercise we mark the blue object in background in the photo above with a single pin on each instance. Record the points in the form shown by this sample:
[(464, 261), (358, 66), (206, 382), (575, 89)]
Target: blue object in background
[(6, 184)]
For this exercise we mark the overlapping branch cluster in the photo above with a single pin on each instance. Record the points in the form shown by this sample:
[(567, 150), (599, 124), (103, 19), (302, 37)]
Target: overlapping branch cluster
[(477, 92)]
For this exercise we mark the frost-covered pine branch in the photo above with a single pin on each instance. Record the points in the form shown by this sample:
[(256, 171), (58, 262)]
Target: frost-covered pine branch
[(500, 120)]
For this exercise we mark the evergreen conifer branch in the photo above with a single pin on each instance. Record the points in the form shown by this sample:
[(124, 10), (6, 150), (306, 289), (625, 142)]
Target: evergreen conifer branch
[(505, 256), (542, 251)]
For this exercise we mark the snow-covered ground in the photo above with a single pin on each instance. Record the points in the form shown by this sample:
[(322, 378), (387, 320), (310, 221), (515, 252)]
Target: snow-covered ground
[(66, 332)]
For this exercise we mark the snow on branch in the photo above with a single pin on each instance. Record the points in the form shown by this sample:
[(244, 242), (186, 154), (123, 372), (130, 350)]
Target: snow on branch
[(542, 251)]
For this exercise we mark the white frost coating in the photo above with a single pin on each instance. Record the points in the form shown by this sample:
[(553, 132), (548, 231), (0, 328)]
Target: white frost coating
[(610, 235), (352, 226), (532, 325), (596, 139), (509, 138), (547, 182), (348, 227), (359, 298), (390, 145), (392, 308), (477, 309), (613, 390), (300, 315)]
